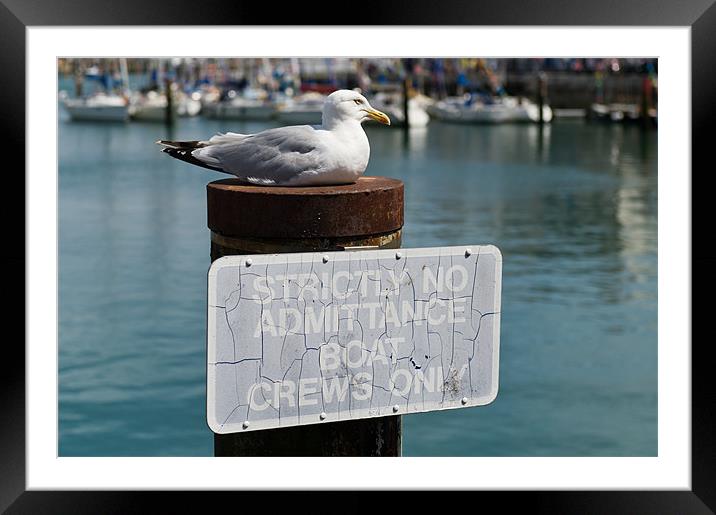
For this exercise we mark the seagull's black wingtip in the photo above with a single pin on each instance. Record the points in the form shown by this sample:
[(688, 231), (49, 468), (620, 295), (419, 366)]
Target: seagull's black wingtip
[(185, 154)]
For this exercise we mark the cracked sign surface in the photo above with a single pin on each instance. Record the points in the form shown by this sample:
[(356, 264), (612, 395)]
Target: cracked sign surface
[(318, 337)]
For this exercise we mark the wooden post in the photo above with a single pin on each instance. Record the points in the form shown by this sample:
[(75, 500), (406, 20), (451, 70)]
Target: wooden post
[(646, 102), (406, 88), (541, 94), (260, 220), (79, 81), (169, 113)]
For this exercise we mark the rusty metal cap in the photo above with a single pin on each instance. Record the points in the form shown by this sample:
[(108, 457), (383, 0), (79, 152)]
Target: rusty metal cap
[(372, 205)]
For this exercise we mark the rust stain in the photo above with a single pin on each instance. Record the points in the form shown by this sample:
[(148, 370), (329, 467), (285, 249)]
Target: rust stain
[(373, 205)]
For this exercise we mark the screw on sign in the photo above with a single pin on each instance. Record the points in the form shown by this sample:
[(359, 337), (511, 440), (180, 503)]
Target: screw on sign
[(363, 335)]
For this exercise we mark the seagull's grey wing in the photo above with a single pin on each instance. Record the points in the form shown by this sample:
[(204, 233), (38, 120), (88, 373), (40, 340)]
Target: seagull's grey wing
[(274, 156)]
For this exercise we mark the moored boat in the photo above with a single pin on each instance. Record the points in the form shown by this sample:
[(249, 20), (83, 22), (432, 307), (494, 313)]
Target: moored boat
[(501, 109), (152, 106), (100, 107), (615, 112), (302, 109), (149, 107), (392, 105), (251, 105)]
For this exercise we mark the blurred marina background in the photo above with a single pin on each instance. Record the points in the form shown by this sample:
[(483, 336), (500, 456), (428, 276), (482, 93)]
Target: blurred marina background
[(552, 160), (292, 90)]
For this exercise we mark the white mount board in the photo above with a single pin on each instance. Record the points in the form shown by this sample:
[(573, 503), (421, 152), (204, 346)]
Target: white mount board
[(311, 338)]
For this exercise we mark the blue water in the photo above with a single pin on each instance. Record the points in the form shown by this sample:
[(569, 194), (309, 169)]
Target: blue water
[(573, 209)]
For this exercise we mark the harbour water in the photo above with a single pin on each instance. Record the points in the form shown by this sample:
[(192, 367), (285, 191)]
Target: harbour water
[(573, 207)]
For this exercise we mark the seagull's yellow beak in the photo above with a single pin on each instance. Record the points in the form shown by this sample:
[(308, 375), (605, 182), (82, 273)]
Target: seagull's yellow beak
[(378, 116)]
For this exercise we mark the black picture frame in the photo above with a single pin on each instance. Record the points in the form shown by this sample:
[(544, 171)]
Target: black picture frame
[(17, 15)]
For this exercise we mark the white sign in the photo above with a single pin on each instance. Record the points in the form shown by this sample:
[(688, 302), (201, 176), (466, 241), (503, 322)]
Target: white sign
[(312, 338)]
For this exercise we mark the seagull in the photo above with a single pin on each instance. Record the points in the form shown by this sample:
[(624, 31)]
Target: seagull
[(335, 152)]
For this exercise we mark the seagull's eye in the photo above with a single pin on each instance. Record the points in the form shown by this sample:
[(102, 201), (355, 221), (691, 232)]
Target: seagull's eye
[(358, 101)]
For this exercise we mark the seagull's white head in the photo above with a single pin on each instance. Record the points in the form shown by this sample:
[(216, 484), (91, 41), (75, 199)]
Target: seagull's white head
[(344, 104)]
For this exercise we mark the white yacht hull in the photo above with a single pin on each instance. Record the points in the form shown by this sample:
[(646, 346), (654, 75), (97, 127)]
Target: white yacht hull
[(392, 105), (150, 113), (526, 112), (97, 113), (417, 116)]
